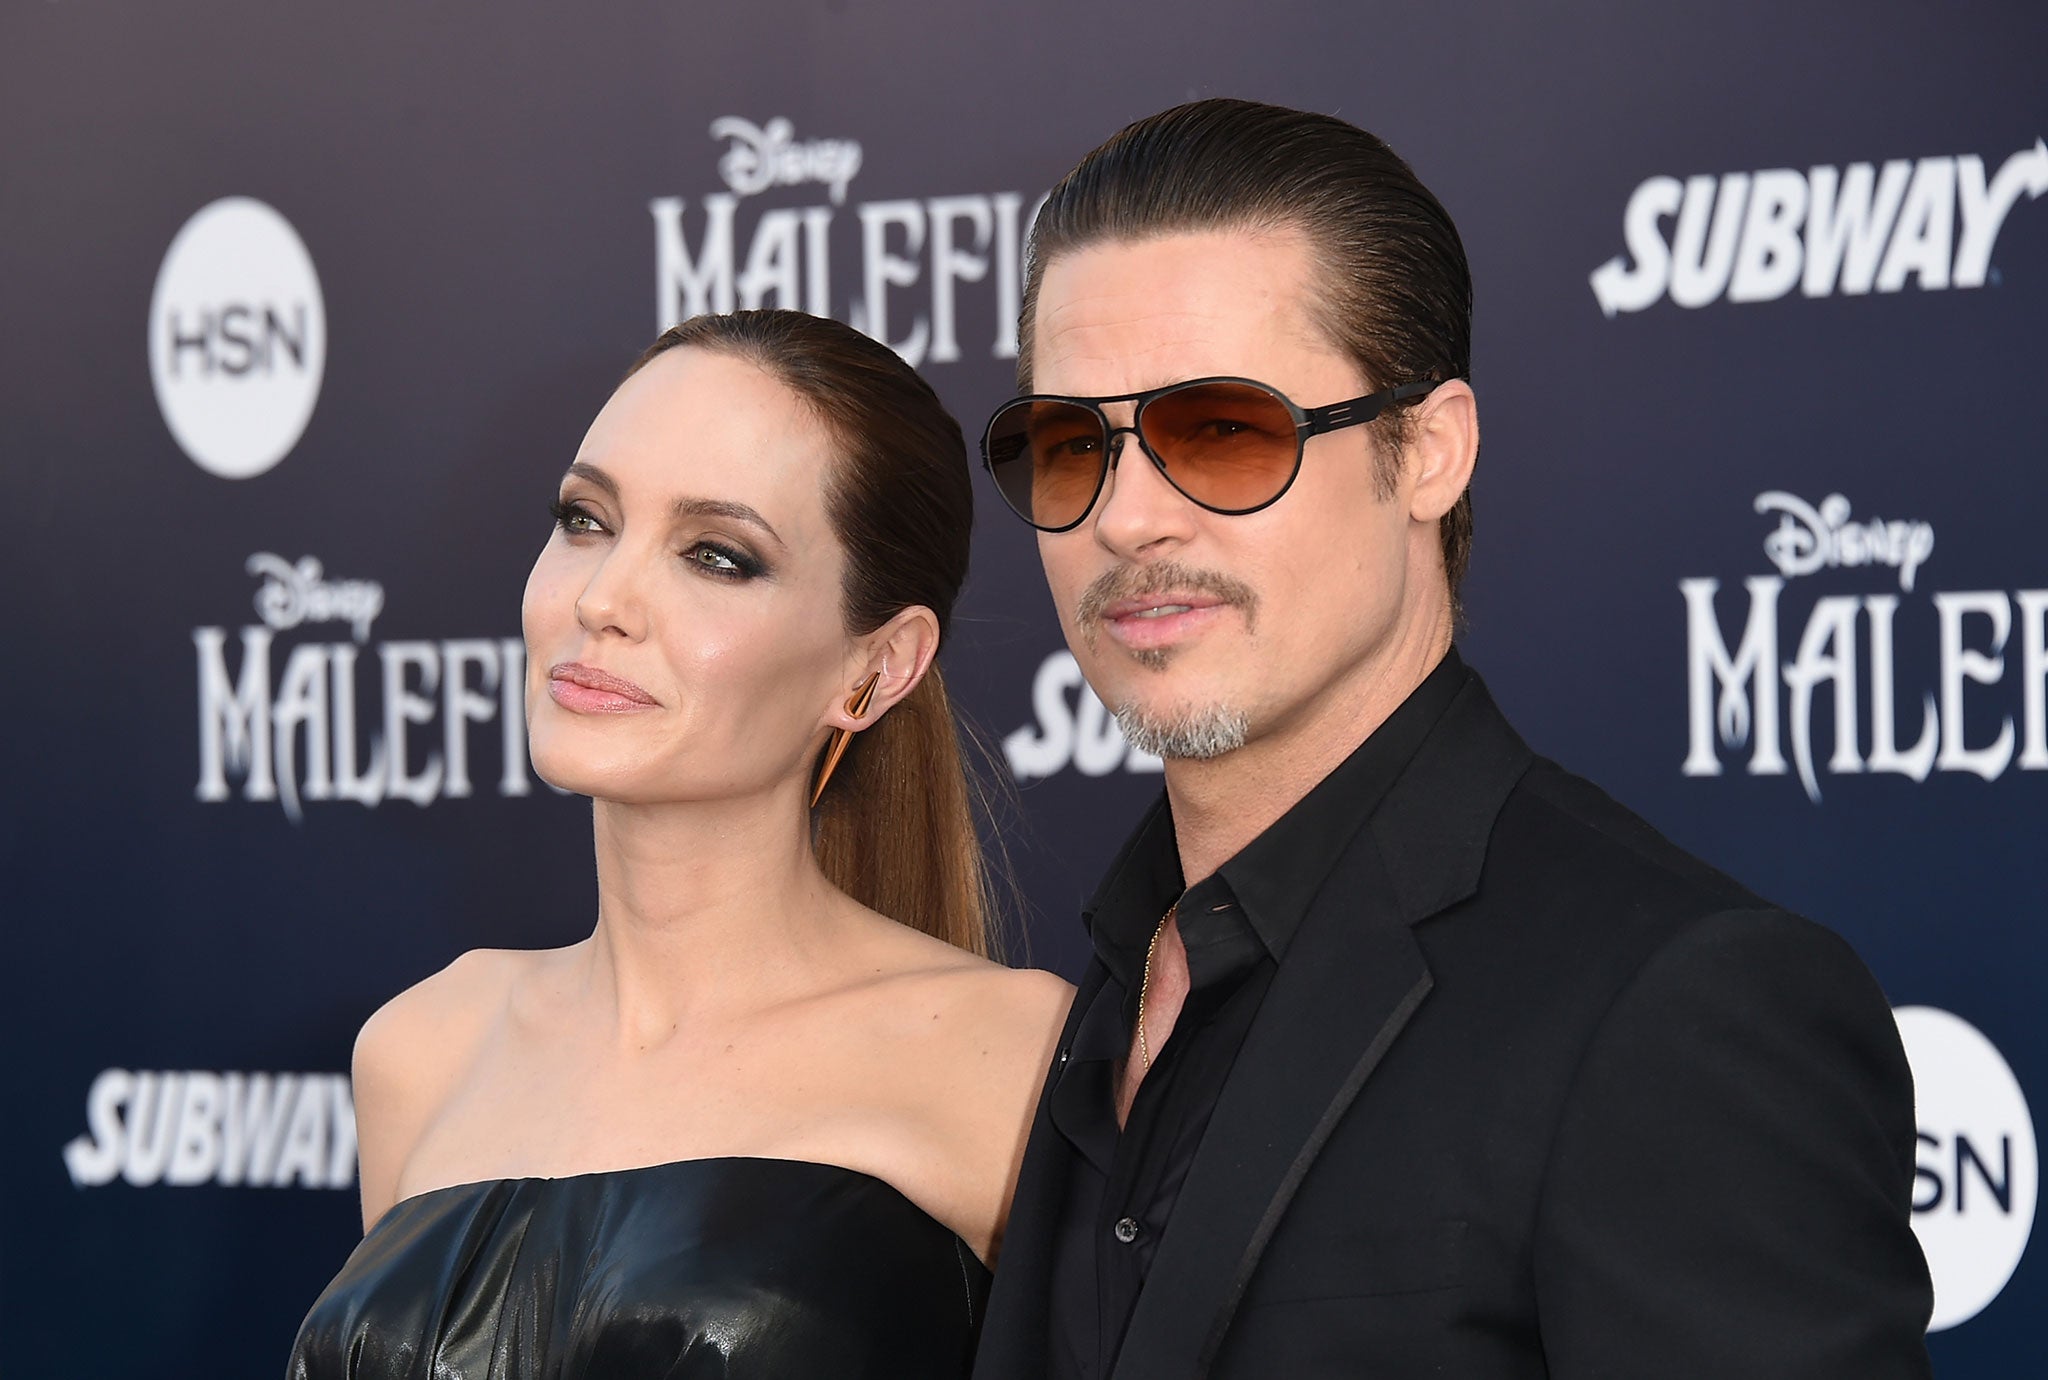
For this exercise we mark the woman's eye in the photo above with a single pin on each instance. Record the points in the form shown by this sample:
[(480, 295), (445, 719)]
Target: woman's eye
[(575, 519), (723, 561)]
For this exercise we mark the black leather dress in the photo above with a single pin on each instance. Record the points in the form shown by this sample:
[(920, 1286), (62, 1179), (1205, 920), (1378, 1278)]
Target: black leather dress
[(739, 1269)]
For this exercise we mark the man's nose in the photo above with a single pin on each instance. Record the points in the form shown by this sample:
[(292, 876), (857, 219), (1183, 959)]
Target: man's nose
[(1139, 507)]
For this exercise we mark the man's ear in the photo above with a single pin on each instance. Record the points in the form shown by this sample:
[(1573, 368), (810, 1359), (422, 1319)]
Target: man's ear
[(1443, 446), (900, 653)]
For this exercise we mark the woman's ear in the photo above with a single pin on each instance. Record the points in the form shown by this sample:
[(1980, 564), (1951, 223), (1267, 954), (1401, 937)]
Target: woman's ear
[(897, 655)]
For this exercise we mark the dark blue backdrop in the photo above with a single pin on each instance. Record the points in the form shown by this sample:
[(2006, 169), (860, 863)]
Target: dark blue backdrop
[(501, 204)]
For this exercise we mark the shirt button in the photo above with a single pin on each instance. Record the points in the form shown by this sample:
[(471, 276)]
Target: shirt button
[(1126, 1229)]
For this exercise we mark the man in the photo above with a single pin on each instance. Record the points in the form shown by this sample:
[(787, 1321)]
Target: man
[(1402, 1051)]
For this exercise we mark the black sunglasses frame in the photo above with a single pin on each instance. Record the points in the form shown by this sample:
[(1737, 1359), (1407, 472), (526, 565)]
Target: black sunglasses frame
[(1311, 421)]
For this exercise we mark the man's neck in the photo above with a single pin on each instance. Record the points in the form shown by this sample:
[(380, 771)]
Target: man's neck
[(1222, 803)]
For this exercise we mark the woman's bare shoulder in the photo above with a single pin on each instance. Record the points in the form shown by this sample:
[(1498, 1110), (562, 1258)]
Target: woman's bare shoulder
[(1032, 996), (980, 1082), (440, 1018), (412, 1054), (1013, 1013)]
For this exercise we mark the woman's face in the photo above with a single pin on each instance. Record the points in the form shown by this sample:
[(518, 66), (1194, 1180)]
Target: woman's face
[(684, 634)]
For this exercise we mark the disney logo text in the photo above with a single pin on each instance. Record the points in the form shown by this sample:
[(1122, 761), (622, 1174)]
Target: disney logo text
[(295, 594), (764, 156), (1807, 539)]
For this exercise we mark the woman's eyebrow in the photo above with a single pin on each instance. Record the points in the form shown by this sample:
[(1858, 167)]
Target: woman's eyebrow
[(725, 508), (683, 507), (584, 470)]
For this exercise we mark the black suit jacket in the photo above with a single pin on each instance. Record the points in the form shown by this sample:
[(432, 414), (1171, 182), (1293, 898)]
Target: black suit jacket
[(1533, 1093)]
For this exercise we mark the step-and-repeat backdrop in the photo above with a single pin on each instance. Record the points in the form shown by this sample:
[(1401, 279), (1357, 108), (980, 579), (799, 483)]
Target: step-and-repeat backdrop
[(307, 307)]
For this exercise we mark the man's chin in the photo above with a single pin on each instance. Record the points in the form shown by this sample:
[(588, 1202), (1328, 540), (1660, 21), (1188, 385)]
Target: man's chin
[(1184, 732)]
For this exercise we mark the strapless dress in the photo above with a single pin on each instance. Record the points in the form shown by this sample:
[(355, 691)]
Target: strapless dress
[(738, 1269)]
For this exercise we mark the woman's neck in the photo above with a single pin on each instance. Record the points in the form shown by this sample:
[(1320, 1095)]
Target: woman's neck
[(706, 908)]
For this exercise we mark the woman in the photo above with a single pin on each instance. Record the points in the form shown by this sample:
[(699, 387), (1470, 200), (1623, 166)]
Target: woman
[(764, 1121)]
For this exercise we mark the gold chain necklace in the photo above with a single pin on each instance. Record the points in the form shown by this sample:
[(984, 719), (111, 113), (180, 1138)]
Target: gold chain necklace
[(1145, 984)]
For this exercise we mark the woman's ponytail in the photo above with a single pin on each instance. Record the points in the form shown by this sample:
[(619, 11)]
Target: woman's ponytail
[(895, 829)]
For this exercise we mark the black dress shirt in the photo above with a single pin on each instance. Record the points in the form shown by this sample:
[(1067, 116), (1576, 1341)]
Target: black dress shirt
[(1236, 925)]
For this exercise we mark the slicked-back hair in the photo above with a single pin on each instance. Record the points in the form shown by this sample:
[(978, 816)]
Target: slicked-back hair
[(1392, 288)]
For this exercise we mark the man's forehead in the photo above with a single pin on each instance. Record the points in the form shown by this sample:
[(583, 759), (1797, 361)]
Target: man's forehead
[(1129, 315), (1142, 349)]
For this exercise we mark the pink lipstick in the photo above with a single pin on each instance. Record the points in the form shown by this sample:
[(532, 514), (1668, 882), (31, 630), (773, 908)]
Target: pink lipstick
[(587, 690)]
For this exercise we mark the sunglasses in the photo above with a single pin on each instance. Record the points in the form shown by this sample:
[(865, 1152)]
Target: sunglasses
[(1232, 446)]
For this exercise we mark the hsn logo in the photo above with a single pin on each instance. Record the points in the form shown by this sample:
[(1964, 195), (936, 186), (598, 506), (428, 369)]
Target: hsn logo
[(1751, 237), (1976, 1172), (1076, 731), (237, 338)]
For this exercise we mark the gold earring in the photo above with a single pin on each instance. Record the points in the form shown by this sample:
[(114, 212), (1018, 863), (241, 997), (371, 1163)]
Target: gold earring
[(856, 705)]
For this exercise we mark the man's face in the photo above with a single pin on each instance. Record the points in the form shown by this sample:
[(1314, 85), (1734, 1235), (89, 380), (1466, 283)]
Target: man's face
[(1205, 632)]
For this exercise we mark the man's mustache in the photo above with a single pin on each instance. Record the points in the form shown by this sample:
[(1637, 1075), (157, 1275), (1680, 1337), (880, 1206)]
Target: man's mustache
[(1162, 577)]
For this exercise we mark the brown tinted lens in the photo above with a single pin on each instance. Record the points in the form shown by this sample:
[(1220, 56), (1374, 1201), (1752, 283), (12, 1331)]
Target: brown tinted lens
[(1230, 446), (1047, 460)]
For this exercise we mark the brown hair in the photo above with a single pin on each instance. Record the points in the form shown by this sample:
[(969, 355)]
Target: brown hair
[(895, 829), (1396, 293)]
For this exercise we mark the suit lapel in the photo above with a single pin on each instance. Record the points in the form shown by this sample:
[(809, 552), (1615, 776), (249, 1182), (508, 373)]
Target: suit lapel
[(1350, 983), (1351, 980)]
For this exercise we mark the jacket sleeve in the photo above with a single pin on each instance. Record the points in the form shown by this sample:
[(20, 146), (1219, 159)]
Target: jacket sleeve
[(1729, 1191)]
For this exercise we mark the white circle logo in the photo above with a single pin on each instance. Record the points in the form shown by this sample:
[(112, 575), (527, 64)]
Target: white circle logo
[(1976, 1175), (237, 338)]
